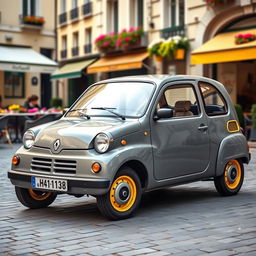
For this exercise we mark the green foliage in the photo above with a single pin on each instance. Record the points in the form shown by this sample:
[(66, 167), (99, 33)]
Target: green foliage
[(239, 111), (253, 111), (56, 102), (167, 49), (154, 50), (183, 43)]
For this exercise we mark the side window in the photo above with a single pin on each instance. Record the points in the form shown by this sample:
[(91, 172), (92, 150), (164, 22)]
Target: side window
[(214, 102), (181, 98)]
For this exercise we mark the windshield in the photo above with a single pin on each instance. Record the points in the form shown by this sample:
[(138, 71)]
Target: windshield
[(125, 99)]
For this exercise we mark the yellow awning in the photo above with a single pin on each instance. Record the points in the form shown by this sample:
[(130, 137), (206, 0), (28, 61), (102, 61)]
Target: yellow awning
[(117, 63), (222, 48), (72, 70)]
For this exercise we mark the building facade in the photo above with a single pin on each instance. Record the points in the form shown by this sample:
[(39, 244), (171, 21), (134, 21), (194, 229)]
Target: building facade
[(81, 22), (27, 45), (212, 31)]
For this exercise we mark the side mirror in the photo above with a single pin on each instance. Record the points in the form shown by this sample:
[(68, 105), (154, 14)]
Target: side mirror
[(163, 113)]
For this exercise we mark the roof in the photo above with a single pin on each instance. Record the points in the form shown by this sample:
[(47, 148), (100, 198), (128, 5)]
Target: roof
[(157, 79)]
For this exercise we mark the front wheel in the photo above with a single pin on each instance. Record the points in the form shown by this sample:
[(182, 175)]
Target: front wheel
[(124, 196), (34, 199), (230, 182)]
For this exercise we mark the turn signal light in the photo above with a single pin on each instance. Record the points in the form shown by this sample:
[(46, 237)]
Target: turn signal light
[(123, 142), (15, 160), (96, 167)]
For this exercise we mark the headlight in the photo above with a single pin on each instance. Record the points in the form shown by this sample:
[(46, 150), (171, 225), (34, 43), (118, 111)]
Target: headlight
[(28, 139), (101, 143)]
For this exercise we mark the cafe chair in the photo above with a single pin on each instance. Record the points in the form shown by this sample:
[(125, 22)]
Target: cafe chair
[(4, 129), (42, 120)]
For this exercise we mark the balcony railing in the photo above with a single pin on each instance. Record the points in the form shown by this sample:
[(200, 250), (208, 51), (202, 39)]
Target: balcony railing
[(75, 51), (87, 9), (63, 54), (87, 48), (63, 18), (32, 21), (74, 14), (173, 31)]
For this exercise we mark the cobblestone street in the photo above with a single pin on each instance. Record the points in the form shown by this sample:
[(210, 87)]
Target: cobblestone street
[(185, 220)]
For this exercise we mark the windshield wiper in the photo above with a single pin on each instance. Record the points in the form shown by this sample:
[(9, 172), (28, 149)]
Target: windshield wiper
[(109, 110), (79, 110)]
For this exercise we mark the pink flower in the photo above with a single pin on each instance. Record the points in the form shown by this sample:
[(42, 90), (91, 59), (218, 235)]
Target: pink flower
[(118, 43), (124, 31), (239, 36), (99, 38), (106, 44), (248, 35), (127, 39), (131, 29)]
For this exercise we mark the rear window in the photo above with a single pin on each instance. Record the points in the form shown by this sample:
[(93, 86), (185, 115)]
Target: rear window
[(214, 102)]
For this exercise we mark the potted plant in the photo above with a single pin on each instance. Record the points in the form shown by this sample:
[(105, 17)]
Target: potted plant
[(166, 49), (239, 112), (106, 43), (153, 49), (56, 102), (253, 129), (129, 38), (181, 45)]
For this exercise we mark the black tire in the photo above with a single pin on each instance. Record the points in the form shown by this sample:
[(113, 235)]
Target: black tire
[(34, 199), (128, 184), (228, 185)]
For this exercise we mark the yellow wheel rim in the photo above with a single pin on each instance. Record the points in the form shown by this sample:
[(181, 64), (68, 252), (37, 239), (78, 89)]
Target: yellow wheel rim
[(233, 174), (39, 195), (123, 193)]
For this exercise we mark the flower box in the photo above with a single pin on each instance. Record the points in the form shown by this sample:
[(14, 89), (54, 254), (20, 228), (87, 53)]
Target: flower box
[(33, 20), (244, 38)]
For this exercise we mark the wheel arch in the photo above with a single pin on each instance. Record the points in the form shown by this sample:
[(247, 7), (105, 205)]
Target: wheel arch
[(231, 147), (140, 170)]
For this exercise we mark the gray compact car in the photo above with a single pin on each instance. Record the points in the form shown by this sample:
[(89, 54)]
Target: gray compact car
[(128, 135)]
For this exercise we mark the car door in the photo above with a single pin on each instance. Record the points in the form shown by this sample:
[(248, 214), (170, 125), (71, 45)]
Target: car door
[(180, 143)]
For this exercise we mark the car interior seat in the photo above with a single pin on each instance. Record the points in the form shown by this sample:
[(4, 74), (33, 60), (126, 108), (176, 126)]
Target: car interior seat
[(182, 108)]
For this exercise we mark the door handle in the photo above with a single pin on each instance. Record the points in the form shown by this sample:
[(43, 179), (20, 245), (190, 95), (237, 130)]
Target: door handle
[(202, 127)]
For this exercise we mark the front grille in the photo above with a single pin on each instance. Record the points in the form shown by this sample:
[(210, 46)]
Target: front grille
[(64, 166), (41, 164), (55, 165)]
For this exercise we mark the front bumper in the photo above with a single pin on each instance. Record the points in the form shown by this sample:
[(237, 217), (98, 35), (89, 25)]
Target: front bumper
[(75, 185)]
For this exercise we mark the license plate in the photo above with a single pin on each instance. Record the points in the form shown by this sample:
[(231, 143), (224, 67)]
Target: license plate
[(51, 184)]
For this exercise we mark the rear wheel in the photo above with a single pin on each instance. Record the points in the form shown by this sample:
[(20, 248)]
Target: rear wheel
[(34, 199), (124, 196), (230, 182)]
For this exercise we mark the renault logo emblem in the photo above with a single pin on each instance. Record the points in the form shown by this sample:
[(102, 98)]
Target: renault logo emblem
[(56, 144)]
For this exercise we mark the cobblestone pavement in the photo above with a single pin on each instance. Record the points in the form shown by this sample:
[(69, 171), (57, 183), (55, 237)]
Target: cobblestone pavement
[(186, 220)]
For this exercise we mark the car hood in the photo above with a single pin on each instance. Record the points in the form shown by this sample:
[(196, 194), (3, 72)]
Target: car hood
[(79, 133)]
